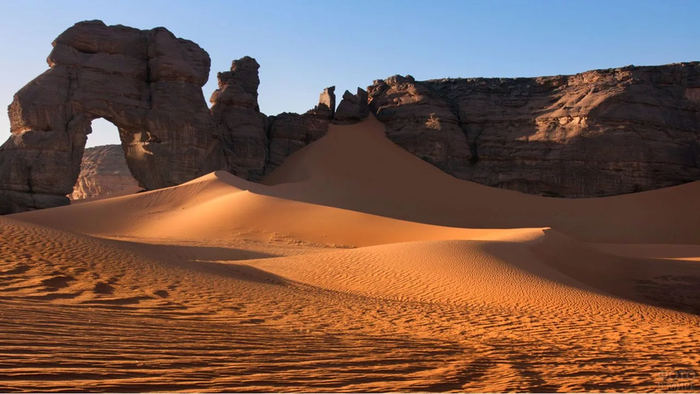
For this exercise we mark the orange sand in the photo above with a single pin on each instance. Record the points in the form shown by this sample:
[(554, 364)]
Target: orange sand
[(355, 266)]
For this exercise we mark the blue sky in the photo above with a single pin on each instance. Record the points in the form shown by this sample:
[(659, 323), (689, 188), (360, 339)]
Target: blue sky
[(304, 46)]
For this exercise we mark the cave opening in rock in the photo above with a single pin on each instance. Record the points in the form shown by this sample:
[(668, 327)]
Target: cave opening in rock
[(103, 169)]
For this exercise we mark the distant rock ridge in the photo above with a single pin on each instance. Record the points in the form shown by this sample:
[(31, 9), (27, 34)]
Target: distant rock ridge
[(103, 172), (598, 133)]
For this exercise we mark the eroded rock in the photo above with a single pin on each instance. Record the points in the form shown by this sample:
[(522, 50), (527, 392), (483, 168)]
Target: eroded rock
[(290, 132), (103, 173), (235, 110), (353, 108), (146, 82), (598, 133)]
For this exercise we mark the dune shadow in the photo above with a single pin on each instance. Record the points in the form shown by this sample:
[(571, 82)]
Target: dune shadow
[(670, 284), (681, 293), (242, 272), (209, 259), (191, 253)]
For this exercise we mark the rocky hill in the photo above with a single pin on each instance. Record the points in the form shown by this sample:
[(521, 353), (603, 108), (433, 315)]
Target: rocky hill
[(103, 173)]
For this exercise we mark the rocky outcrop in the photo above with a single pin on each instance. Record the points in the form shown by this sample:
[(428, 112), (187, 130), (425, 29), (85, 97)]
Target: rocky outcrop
[(103, 173), (235, 110), (290, 132), (353, 108), (326, 103), (256, 144), (598, 133), (146, 82)]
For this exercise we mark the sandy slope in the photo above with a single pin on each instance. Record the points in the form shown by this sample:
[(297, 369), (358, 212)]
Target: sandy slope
[(341, 274), (221, 206), (359, 169)]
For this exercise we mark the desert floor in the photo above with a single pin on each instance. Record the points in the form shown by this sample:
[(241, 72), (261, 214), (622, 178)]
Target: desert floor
[(355, 266)]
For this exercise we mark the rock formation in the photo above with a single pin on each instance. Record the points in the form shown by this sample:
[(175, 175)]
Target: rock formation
[(235, 109), (290, 132), (103, 172), (598, 133), (255, 144), (353, 108), (146, 82)]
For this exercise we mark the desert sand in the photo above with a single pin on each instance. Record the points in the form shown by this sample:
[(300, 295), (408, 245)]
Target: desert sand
[(355, 266)]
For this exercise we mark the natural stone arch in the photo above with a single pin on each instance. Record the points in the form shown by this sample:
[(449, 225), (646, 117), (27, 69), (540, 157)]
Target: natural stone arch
[(146, 82)]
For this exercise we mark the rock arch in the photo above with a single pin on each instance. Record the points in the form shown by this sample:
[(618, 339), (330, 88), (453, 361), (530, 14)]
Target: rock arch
[(146, 82)]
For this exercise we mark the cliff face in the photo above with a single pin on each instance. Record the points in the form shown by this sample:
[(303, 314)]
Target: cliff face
[(254, 144), (103, 172), (598, 133)]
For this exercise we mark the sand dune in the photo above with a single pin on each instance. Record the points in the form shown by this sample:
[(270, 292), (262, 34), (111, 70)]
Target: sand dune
[(552, 273), (221, 206), (357, 168), (354, 267)]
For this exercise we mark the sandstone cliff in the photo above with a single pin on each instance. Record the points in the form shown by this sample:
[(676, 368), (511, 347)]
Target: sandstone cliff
[(253, 143), (146, 82), (598, 133), (103, 173)]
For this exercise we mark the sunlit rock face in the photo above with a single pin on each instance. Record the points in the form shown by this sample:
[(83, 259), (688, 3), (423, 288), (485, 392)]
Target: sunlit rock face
[(103, 173), (598, 133)]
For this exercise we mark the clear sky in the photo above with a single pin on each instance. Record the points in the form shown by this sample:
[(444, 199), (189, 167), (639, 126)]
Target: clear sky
[(304, 46)]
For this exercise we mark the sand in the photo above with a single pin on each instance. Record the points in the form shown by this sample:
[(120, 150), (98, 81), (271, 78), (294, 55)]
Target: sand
[(355, 266)]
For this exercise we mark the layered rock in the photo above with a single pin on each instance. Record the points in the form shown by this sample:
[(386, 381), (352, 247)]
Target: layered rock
[(598, 133), (235, 109), (146, 82), (103, 173)]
